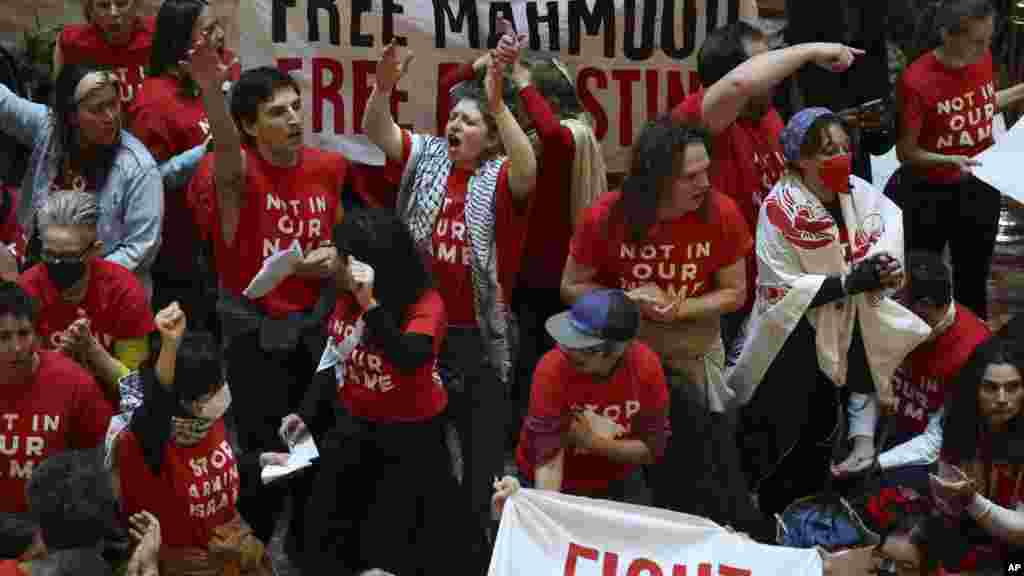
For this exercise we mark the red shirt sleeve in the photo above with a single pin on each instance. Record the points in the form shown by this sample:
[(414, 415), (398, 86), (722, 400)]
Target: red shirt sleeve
[(393, 170), (199, 196), (547, 392), (427, 317), (691, 109), (548, 125), (135, 317), (590, 243), (92, 411), (463, 73), (910, 104), (511, 221), (736, 237)]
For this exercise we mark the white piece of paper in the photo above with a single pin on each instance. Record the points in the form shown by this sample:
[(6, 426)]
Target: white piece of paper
[(330, 357), (276, 268), (1000, 164), (300, 456)]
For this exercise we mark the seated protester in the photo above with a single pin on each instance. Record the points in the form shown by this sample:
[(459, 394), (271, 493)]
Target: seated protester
[(91, 309), (924, 381), (113, 35), (50, 404), (958, 494), (679, 247), (829, 247), (79, 145), (174, 459), (983, 437), (913, 546), (388, 446), (270, 193), (599, 402)]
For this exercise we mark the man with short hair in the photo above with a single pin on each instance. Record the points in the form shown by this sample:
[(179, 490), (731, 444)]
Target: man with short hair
[(93, 309), (47, 402), (602, 391)]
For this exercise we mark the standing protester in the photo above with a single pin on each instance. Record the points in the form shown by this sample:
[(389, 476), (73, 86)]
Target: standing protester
[(388, 446), (113, 36), (570, 174), (466, 206), (79, 145), (599, 403), (50, 403), (169, 118), (829, 247), (93, 310), (270, 193), (947, 99), (678, 246), (738, 74), (174, 459)]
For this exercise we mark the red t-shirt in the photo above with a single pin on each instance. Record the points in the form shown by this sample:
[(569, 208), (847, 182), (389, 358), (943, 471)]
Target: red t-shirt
[(922, 381), (115, 303), (170, 123), (951, 107), (61, 408), (11, 568), (450, 263), (746, 162), (83, 44), (638, 385), (680, 256), (196, 491), (284, 207), (376, 390)]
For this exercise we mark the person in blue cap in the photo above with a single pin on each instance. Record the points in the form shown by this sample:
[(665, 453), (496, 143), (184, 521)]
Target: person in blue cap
[(598, 404)]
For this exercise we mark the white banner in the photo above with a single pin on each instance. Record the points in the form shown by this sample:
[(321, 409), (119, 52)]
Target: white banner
[(631, 58), (545, 533)]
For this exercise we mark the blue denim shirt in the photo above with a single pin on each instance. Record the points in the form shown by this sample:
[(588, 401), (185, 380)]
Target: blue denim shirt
[(131, 201)]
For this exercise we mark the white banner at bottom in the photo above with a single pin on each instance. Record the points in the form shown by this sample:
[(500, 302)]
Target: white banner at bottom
[(550, 534)]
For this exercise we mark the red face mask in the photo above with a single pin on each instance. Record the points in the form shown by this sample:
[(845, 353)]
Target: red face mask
[(835, 173)]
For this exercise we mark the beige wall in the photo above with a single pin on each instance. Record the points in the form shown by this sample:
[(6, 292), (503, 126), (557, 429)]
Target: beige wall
[(19, 16)]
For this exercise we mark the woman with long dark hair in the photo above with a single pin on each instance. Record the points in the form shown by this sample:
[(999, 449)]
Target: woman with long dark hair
[(947, 100), (169, 118), (385, 495), (80, 144)]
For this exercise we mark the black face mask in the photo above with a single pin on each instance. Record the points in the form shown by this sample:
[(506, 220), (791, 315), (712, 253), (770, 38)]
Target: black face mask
[(64, 275)]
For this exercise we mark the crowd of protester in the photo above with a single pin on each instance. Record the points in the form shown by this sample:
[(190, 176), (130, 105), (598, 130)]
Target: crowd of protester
[(744, 321)]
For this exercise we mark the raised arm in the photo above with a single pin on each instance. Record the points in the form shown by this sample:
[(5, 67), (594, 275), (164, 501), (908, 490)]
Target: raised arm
[(1010, 96), (143, 215), (464, 72), (577, 280), (23, 119), (378, 124), (178, 170), (725, 99), (522, 161), (229, 163)]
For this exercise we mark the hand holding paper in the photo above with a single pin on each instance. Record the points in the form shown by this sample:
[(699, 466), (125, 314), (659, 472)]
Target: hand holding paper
[(276, 268), (1000, 165), (301, 456)]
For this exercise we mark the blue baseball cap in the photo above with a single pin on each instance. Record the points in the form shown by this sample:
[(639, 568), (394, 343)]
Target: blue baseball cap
[(597, 317)]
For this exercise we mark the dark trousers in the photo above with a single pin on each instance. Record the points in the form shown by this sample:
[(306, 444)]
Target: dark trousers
[(385, 498), (533, 307), (701, 473), (266, 387), (479, 411), (966, 215)]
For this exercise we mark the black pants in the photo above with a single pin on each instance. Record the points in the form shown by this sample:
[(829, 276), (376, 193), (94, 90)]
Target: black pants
[(966, 215), (701, 473), (385, 498), (479, 410), (533, 307), (266, 387)]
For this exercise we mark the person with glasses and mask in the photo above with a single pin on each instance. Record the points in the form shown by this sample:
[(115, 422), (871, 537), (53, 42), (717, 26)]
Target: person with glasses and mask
[(91, 309), (114, 36), (599, 402), (48, 403)]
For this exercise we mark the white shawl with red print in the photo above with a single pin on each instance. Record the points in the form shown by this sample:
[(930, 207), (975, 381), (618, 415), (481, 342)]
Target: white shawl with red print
[(798, 247)]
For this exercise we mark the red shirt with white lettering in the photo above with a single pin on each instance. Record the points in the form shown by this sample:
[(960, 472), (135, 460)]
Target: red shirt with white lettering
[(923, 381), (284, 207), (637, 386), (84, 44), (169, 123), (450, 263), (61, 408), (376, 390), (115, 303), (952, 108), (680, 256), (746, 162), (195, 492)]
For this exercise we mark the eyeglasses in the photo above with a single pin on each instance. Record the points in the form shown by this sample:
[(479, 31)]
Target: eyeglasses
[(51, 258)]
